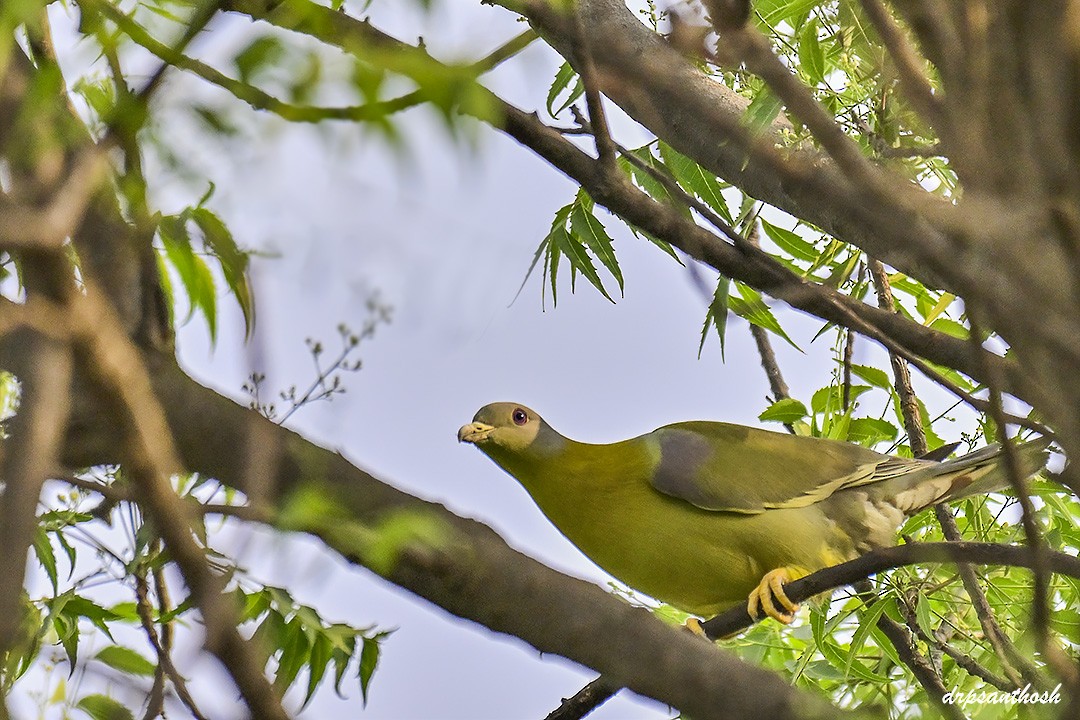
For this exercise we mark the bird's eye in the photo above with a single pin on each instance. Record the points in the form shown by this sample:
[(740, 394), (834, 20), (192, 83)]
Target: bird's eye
[(519, 416)]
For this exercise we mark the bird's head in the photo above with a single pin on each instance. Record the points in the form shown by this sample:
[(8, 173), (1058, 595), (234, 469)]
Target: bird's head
[(517, 439), (503, 425)]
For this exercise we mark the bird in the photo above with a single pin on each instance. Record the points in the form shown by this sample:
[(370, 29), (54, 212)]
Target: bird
[(706, 515)]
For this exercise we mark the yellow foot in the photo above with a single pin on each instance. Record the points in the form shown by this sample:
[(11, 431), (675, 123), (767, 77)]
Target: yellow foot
[(769, 589), (694, 626)]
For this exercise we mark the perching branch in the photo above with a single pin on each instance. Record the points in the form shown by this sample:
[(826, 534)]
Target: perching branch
[(876, 561)]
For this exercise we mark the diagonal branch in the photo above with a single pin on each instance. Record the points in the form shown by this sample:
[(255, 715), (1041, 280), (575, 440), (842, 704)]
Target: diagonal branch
[(882, 559), (909, 65)]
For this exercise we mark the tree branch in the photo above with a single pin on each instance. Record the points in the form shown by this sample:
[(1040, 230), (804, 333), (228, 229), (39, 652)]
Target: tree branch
[(882, 559)]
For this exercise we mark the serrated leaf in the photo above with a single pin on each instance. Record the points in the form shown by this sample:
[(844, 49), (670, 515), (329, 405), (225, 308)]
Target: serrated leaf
[(574, 250), (870, 431), (561, 84), (874, 376), (234, 261), (103, 707), (842, 271), (205, 295), (321, 653), (951, 327), (762, 110), (706, 186), (79, 606), (126, 660), (749, 306), (67, 630), (790, 242), (585, 226), (943, 303), (785, 410), (773, 12), (294, 655), (552, 253), (369, 660), (69, 550), (46, 555), (716, 315), (829, 399)]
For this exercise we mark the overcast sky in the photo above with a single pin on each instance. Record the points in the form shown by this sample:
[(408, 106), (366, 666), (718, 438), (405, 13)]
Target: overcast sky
[(445, 237)]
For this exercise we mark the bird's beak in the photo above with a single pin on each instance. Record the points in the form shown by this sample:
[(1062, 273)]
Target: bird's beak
[(474, 432)]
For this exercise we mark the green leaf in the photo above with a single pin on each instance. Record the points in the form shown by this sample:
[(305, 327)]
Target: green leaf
[(874, 376), (205, 295), (584, 225), (811, 58), (951, 327), (574, 250), (753, 309), (126, 660), (867, 622), (773, 12), (196, 277), (790, 242), (560, 85), (762, 110), (785, 410), (79, 606), (261, 53), (103, 707), (870, 431), (321, 653), (716, 315), (234, 261), (697, 181), (943, 303), (552, 250), (842, 271), (67, 629), (369, 660), (295, 651), (46, 555), (924, 616)]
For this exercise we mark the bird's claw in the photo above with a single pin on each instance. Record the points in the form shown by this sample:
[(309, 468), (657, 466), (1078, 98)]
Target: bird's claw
[(693, 625), (769, 593)]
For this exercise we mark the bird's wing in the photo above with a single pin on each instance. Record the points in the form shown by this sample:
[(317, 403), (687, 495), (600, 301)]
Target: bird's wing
[(732, 468)]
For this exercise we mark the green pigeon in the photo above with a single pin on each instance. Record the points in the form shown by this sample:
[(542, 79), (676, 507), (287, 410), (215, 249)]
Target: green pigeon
[(707, 515)]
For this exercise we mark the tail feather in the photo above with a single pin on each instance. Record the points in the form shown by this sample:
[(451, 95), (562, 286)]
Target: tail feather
[(977, 473)]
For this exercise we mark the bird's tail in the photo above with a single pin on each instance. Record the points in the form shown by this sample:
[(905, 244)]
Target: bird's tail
[(977, 473)]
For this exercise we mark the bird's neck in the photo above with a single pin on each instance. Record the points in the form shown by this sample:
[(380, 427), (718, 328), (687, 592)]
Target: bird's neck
[(566, 474)]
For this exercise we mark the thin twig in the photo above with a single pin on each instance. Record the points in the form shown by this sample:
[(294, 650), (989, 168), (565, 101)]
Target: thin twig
[(1036, 544), (909, 408), (584, 701), (253, 96), (752, 47), (162, 645), (910, 67), (968, 663)]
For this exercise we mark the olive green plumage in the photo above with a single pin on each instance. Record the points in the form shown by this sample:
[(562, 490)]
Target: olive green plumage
[(696, 513)]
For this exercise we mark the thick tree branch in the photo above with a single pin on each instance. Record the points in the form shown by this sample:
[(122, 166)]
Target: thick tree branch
[(461, 565)]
